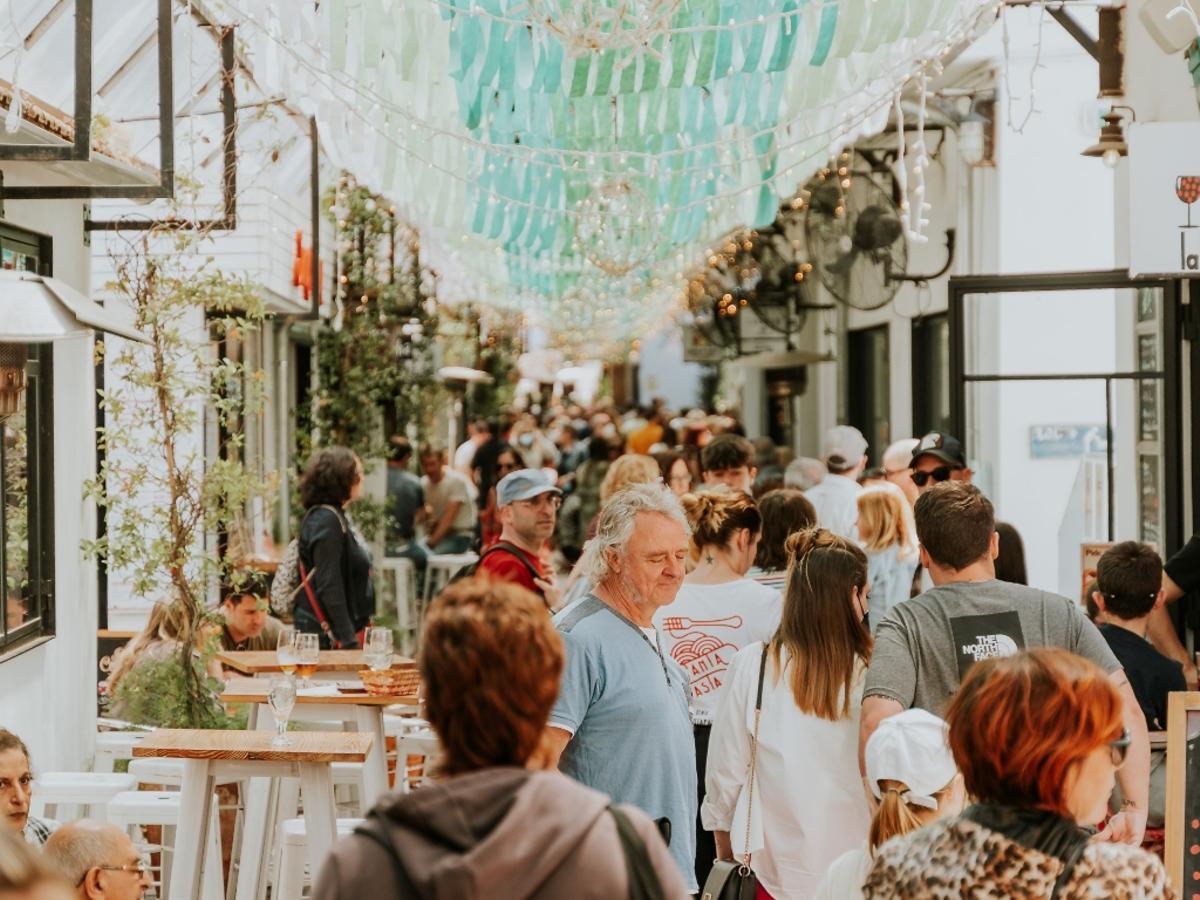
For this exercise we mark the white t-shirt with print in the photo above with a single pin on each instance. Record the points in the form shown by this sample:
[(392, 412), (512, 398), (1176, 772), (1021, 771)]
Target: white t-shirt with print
[(705, 628)]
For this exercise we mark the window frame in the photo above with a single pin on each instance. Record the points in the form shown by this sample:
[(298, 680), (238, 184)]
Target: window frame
[(40, 510), (39, 424)]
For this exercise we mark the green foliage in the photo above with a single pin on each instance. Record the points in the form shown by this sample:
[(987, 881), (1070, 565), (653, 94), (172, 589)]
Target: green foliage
[(156, 692), (376, 364)]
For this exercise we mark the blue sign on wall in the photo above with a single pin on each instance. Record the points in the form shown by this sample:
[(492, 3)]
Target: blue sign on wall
[(1067, 441)]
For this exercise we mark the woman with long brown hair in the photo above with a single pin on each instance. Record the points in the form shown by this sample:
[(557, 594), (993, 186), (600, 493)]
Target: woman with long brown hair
[(805, 806), (717, 611)]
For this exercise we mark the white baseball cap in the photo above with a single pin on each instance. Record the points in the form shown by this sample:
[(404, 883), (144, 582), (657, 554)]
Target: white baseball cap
[(911, 748), (844, 445)]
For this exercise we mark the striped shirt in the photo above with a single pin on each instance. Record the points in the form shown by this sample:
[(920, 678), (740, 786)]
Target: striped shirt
[(37, 831), (774, 579)]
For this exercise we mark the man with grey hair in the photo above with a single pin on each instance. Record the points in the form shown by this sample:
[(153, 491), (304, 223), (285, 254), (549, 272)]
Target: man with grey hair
[(621, 724), (99, 859), (803, 473)]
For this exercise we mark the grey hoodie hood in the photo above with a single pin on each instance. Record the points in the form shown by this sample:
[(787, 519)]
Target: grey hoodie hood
[(502, 828)]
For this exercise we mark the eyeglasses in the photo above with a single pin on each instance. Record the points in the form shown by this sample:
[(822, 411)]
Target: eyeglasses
[(554, 501), (941, 473), (139, 869), (1120, 748)]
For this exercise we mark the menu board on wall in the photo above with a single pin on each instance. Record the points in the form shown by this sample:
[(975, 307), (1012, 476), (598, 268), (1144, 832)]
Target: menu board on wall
[(1183, 792)]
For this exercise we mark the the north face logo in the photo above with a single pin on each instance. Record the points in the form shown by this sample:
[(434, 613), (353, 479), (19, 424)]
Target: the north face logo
[(990, 646)]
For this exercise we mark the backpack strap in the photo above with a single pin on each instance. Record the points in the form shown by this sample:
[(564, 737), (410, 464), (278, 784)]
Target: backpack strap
[(516, 551), (372, 830), (643, 879)]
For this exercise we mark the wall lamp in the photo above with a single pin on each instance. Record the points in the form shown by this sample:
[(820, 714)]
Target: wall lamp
[(1111, 146)]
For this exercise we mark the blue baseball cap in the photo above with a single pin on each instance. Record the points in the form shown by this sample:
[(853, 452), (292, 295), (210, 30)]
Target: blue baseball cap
[(523, 485)]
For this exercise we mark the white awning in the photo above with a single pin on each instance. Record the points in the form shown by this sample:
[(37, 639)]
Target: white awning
[(34, 308)]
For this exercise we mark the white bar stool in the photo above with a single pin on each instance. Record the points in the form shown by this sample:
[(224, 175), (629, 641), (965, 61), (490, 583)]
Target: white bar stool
[(291, 872), (400, 577), (440, 568), (112, 746), (132, 810), (91, 792)]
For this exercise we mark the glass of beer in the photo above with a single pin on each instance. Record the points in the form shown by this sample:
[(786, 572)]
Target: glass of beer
[(285, 650), (308, 650)]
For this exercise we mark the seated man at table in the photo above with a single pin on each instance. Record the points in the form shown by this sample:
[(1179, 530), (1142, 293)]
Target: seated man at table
[(100, 860), (248, 623), (16, 786)]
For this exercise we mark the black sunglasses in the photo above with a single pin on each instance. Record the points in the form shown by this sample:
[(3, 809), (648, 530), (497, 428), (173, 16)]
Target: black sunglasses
[(941, 473)]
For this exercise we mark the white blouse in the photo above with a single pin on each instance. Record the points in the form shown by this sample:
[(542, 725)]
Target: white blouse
[(809, 806)]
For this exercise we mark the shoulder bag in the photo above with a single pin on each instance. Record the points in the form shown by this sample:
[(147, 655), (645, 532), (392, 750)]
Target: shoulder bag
[(732, 879)]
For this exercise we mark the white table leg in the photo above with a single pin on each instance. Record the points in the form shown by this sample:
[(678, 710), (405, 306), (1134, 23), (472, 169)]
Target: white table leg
[(375, 783), (192, 836), (320, 814), (256, 820)]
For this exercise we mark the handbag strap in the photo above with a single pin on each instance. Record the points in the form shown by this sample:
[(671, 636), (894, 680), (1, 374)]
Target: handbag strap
[(316, 607), (643, 879), (762, 672)]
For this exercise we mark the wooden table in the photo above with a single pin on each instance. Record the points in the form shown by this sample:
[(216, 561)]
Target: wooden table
[(265, 662), (208, 754), (326, 703), (362, 712)]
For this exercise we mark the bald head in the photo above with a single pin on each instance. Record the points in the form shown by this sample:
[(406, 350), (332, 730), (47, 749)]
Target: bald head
[(99, 858)]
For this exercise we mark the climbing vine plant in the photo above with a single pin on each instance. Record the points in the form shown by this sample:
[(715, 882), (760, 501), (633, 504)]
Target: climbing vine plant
[(376, 360), (165, 499)]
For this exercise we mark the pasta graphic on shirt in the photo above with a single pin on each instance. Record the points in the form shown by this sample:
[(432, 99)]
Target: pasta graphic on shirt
[(704, 656)]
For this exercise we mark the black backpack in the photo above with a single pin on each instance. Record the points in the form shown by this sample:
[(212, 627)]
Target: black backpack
[(471, 570)]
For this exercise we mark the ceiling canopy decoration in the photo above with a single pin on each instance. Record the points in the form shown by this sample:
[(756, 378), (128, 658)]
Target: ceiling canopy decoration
[(599, 138)]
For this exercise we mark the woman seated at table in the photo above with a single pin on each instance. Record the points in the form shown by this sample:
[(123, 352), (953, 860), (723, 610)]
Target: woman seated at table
[(157, 647), (501, 821)]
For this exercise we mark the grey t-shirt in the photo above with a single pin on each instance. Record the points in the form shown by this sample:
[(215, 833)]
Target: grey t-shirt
[(626, 706), (924, 646)]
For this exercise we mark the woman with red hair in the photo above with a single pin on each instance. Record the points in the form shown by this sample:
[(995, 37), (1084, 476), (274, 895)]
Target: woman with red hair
[(1038, 738)]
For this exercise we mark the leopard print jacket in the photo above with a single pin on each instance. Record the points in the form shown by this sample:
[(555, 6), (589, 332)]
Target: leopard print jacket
[(955, 859)]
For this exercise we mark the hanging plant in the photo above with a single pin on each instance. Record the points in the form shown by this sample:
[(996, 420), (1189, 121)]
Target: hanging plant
[(376, 362)]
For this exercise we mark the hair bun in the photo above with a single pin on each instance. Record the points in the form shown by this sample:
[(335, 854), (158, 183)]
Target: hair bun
[(801, 543)]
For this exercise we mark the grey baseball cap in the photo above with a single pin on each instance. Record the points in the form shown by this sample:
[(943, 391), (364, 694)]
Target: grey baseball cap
[(524, 484)]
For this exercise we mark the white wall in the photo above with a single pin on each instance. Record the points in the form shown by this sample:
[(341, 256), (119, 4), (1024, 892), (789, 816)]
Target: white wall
[(47, 693), (663, 373)]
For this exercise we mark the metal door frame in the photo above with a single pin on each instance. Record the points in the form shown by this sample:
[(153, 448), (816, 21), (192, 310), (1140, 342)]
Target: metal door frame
[(1173, 318)]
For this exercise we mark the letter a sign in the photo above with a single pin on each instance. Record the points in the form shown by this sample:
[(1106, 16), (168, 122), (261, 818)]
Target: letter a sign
[(1164, 187)]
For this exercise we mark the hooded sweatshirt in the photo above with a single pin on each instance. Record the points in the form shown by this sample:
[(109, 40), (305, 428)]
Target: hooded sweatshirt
[(496, 833)]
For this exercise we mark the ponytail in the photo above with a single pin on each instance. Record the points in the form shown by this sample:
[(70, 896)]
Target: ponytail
[(893, 817)]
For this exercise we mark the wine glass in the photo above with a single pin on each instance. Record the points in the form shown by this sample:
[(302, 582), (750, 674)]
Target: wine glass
[(1187, 189), (308, 654), (281, 697), (377, 648), (285, 650)]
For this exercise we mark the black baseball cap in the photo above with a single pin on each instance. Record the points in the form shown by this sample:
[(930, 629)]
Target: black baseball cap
[(945, 447)]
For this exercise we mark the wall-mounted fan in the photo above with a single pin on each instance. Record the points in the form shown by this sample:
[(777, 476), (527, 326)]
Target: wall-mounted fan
[(781, 298), (856, 238)]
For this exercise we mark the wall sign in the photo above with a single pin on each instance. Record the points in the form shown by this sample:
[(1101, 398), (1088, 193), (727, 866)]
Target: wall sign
[(1067, 441), (1164, 186)]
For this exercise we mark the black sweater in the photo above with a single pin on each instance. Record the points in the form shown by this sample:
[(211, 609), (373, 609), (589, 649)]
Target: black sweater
[(342, 573)]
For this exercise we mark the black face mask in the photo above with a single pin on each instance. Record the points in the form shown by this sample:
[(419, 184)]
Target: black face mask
[(866, 620)]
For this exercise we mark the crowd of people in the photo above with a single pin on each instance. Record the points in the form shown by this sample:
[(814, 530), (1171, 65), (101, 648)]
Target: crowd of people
[(687, 662)]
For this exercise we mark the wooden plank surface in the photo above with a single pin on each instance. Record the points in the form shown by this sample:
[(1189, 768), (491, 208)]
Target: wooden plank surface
[(254, 690), (254, 662), (305, 746)]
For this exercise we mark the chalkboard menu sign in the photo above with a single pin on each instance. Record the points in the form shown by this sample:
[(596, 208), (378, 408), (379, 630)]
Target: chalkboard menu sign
[(1183, 794)]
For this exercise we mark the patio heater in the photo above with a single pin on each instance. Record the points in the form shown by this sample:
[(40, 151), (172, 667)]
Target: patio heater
[(36, 309), (456, 379)]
